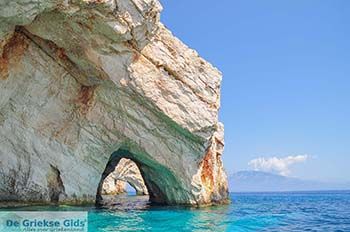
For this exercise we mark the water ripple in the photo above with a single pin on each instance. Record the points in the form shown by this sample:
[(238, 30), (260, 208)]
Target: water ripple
[(316, 211)]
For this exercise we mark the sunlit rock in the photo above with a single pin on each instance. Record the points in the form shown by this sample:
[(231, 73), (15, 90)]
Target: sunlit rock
[(126, 171), (84, 84)]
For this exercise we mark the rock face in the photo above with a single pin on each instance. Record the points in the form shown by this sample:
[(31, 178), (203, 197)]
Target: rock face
[(126, 171), (113, 187), (85, 83)]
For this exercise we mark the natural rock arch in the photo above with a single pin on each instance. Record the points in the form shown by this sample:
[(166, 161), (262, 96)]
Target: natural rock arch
[(125, 172), (161, 184), (80, 80)]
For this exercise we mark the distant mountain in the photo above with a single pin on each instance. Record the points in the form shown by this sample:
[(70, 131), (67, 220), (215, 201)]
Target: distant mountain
[(255, 181)]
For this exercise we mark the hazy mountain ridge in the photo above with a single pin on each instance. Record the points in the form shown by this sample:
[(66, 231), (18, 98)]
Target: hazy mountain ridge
[(256, 181)]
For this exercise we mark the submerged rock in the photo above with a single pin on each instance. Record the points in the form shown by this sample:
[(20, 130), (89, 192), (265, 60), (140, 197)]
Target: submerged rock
[(85, 83)]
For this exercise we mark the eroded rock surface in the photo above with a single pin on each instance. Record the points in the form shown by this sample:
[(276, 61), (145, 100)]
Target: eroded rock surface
[(85, 83), (126, 171)]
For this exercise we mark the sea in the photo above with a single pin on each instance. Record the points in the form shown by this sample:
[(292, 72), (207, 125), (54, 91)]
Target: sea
[(286, 211)]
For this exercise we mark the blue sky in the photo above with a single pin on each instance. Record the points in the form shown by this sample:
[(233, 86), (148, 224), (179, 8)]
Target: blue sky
[(286, 84)]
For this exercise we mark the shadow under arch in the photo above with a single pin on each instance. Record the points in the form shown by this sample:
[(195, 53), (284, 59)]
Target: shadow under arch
[(162, 185)]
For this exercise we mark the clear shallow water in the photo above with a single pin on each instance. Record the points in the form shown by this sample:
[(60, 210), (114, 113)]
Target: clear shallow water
[(321, 211)]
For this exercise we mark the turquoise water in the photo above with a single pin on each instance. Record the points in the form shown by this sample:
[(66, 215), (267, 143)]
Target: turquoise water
[(317, 211)]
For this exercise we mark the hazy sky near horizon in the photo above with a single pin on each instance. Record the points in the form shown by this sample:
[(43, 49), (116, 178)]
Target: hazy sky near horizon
[(286, 84)]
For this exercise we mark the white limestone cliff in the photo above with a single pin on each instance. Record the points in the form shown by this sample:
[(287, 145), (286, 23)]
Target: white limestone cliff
[(85, 83)]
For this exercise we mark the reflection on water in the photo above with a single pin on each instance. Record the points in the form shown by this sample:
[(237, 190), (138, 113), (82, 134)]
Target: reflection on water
[(124, 202), (136, 213), (322, 211)]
